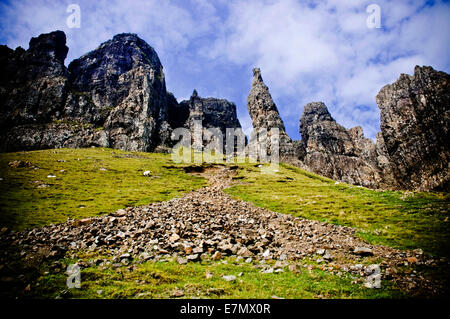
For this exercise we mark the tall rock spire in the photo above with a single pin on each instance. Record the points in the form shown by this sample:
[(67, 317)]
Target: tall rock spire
[(264, 113), (262, 109)]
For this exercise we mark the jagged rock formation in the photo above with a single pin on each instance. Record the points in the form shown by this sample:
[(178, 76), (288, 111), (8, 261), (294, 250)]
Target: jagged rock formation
[(415, 126), (33, 87), (335, 152), (114, 96), (264, 115), (211, 113), (412, 149), (125, 81), (33, 83)]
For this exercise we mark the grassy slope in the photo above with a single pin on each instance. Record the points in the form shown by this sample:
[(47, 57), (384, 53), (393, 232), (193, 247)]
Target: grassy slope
[(384, 217), (83, 189), (398, 219), (161, 279)]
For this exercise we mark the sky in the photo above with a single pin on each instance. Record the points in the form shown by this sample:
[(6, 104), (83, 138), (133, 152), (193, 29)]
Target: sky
[(308, 51)]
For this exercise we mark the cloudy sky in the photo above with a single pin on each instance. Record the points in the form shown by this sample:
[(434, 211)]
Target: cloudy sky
[(307, 50)]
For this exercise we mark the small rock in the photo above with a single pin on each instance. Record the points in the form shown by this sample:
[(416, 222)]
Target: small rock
[(193, 257), (266, 254), (145, 256), (174, 238), (85, 221), (217, 255), (244, 252), (268, 271), (327, 256), (182, 261), (229, 278), (320, 251), (198, 250), (188, 250), (208, 275), (120, 213), (363, 251), (147, 173), (248, 260), (178, 293), (125, 256)]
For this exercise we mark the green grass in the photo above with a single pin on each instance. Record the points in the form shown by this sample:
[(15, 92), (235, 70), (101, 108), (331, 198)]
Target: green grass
[(399, 219), (161, 279), (83, 189)]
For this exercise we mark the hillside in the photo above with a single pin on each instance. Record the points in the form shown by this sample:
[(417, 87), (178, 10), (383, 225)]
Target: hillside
[(314, 229), (115, 96)]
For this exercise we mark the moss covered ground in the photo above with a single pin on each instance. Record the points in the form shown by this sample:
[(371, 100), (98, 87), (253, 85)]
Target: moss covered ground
[(96, 181)]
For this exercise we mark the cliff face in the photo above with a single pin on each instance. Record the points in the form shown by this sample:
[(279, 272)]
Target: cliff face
[(338, 153), (415, 126), (33, 83), (125, 81), (212, 113), (412, 149), (34, 93), (114, 96), (264, 115)]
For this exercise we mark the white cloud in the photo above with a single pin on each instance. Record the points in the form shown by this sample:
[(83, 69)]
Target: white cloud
[(165, 25), (307, 50), (326, 52)]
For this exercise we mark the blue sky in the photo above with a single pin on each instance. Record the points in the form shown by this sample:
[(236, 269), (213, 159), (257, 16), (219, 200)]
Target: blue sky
[(307, 50)]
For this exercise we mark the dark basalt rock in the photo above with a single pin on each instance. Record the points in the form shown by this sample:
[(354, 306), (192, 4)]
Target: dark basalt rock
[(412, 149), (34, 82), (415, 126), (264, 115), (124, 79), (338, 153), (117, 92), (115, 96), (212, 113)]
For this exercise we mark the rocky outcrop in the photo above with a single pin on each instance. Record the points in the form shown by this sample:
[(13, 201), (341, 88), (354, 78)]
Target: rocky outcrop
[(412, 149), (34, 82), (36, 99), (415, 126), (264, 115), (211, 113), (124, 79), (338, 153), (114, 96)]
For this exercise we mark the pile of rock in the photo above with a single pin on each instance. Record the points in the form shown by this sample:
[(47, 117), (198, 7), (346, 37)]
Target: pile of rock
[(208, 224)]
